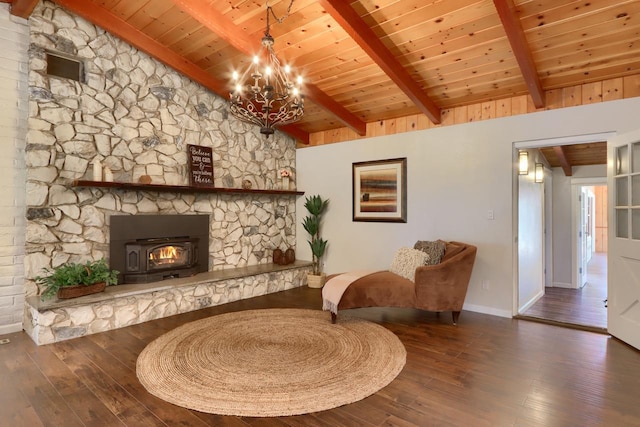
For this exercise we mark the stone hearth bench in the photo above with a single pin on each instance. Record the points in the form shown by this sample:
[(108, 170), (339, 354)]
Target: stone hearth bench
[(118, 306)]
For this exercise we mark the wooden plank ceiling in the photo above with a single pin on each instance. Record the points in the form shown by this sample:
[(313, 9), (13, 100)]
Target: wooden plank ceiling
[(371, 60), (567, 156)]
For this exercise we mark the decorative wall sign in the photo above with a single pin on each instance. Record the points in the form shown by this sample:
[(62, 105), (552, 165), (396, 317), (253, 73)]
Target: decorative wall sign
[(380, 190), (200, 166)]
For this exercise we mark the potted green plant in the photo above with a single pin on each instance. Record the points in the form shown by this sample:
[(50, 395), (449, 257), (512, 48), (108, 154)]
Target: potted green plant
[(72, 280), (311, 223)]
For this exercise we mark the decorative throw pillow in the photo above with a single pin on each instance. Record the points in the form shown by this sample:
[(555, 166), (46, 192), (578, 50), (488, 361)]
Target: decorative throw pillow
[(434, 249), (406, 260)]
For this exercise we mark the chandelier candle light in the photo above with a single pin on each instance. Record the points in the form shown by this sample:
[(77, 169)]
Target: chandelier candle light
[(265, 94)]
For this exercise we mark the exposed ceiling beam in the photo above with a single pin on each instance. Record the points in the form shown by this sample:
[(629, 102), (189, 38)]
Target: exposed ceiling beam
[(359, 31), (105, 19), (562, 159), (515, 33), (211, 18), (23, 8), (296, 132)]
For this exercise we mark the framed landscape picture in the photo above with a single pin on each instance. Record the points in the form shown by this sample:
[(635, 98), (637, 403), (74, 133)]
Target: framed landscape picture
[(380, 190)]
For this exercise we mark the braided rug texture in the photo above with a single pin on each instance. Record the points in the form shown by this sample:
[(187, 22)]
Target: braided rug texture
[(271, 362)]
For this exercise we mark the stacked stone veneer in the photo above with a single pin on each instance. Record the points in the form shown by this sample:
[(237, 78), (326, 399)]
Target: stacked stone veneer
[(137, 116), (119, 307)]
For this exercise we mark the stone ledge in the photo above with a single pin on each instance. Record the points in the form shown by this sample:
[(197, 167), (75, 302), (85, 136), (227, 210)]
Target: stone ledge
[(124, 305), (121, 291)]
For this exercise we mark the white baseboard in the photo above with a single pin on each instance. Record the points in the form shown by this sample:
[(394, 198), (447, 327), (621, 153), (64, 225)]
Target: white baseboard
[(487, 310), (531, 302), (563, 285), (9, 329)]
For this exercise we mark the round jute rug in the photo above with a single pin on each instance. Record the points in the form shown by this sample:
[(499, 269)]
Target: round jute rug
[(272, 362)]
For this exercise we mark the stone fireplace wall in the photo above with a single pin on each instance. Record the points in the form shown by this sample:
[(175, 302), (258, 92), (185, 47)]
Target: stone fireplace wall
[(137, 116)]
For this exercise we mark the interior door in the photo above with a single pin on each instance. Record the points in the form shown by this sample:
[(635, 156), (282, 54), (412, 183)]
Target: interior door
[(589, 222), (583, 258), (623, 178)]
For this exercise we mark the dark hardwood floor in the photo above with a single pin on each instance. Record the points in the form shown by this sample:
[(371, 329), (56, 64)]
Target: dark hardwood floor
[(583, 308), (487, 371)]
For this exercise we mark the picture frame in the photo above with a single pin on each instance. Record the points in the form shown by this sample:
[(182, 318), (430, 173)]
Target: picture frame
[(380, 190)]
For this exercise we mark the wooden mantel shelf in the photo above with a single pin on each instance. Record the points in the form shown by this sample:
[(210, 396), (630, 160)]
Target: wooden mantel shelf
[(179, 188)]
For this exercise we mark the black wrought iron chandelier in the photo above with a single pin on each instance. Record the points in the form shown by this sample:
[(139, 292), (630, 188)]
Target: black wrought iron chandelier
[(266, 93)]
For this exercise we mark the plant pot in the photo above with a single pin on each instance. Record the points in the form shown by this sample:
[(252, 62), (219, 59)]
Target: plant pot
[(315, 280), (80, 290)]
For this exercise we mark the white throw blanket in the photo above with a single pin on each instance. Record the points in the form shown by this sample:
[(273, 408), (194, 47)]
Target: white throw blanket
[(335, 287)]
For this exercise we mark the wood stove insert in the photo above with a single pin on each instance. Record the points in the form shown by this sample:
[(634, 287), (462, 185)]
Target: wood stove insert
[(151, 260), (150, 248)]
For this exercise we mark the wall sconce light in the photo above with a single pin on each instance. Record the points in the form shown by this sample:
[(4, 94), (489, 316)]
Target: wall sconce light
[(523, 162), (539, 176)]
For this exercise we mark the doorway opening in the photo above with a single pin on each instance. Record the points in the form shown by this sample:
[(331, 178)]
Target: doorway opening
[(582, 305), (554, 283)]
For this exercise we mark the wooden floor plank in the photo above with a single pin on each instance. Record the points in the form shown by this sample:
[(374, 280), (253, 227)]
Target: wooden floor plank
[(126, 407), (15, 407), (89, 409), (125, 377), (583, 307), (21, 375), (338, 418), (487, 371), (51, 408)]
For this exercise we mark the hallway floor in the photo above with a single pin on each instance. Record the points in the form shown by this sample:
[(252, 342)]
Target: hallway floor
[(583, 308)]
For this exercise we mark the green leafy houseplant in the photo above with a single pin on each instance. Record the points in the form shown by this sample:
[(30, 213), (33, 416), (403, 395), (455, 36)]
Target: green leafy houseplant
[(316, 207), (76, 274)]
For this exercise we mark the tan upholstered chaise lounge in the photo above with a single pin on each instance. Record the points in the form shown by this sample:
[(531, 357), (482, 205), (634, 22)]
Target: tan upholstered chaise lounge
[(440, 287)]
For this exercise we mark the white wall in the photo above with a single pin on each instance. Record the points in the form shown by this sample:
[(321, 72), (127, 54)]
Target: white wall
[(563, 227), (14, 44), (455, 175), (530, 241)]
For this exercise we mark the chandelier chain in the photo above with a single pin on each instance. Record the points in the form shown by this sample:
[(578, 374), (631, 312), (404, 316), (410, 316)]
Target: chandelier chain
[(278, 20)]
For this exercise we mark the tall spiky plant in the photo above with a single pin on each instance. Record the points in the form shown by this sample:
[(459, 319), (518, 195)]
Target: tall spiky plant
[(316, 207)]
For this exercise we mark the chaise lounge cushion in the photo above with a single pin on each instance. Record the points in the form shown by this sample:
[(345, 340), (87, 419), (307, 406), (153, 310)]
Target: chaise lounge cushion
[(372, 289), (406, 260), (435, 250)]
